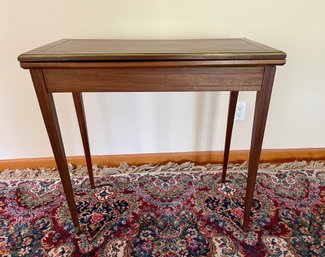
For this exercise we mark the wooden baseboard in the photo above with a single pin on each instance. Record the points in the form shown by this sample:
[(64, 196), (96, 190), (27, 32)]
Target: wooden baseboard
[(202, 157)]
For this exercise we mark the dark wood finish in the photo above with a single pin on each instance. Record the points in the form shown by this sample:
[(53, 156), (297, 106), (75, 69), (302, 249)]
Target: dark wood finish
[(79, 106), (261, 109), (230, 122), (47, 106), (154, 79), (152, 66), (117, 50)]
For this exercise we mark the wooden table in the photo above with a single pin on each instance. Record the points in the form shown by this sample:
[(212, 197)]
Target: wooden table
[(100, 65)]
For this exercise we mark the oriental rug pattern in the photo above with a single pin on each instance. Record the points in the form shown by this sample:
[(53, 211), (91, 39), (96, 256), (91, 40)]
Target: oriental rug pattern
[(166, 211)]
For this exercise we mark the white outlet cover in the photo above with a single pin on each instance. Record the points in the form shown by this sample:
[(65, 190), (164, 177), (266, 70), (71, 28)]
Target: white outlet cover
[(240, 111)]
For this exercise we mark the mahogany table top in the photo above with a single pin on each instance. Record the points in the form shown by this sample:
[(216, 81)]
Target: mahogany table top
[(153, 50)]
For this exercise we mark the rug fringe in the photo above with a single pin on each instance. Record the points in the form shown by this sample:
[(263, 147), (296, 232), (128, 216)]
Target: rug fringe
[(124, 168)]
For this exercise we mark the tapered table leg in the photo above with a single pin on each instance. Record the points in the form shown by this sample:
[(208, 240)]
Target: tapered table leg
[(261, 109), (79, 106), (230, 122), (47, 106)]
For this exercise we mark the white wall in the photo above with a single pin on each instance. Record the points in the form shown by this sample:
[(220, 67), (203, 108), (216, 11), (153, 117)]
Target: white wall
[(164, 122)]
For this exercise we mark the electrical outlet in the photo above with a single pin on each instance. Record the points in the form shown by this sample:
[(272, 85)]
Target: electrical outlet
[(240, 111)]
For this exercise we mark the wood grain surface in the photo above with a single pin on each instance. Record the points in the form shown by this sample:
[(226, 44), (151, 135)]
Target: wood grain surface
[(183, 49), (153, 79)]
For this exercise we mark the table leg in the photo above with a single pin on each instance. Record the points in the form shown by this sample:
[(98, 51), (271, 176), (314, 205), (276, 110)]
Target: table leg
[(79, 106), (261, 109), (230, 122), (47, 106)]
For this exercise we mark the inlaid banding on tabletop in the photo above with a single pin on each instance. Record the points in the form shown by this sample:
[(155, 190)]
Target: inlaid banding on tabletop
[(154, 79), (156, 64)]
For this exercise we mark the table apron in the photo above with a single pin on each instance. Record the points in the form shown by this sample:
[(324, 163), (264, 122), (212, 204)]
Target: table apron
[(157, 79)]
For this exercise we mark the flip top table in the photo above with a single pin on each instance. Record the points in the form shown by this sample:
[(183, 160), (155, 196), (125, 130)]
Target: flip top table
[(102, 65)]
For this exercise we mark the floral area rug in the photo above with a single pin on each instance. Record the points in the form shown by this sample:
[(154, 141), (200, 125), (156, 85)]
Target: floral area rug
[(165, 211)]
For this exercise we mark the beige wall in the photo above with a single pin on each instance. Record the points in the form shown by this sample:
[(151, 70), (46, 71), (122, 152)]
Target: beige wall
[(161, 122)]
